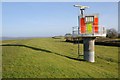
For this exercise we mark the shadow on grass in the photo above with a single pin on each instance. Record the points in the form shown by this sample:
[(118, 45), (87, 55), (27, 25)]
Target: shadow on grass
[(21, 45), (44, 50)]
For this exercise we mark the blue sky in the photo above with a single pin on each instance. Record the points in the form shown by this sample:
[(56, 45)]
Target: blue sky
[(31, 19)]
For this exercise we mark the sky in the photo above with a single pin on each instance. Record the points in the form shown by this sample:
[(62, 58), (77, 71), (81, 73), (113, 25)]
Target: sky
[(44, 19)]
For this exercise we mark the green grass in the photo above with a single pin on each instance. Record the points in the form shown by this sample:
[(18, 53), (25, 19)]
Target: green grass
[(46, 58)]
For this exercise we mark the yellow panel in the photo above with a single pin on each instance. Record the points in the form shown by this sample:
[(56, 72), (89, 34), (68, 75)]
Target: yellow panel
[(89, 28)]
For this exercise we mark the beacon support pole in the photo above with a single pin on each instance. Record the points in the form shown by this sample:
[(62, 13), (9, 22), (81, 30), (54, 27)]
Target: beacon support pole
[(89, 49)]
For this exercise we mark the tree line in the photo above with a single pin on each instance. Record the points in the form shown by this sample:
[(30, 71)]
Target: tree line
[(112, 33)]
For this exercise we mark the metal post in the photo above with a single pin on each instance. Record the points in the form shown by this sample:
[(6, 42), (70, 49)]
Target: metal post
[(72, 30), (78, 45), (82, 12), (89, 49)]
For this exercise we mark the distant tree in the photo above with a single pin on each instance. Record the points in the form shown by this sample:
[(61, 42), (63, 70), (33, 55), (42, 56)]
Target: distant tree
[(112, 33), (68, 35)]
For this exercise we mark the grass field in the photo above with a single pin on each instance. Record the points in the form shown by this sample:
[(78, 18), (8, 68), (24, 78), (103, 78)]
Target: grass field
[(54, 58)]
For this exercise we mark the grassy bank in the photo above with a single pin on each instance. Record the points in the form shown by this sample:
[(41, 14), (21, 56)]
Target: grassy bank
[(54, 58)]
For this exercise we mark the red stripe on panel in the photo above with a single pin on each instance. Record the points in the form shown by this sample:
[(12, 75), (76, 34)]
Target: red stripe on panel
[(82, 25)]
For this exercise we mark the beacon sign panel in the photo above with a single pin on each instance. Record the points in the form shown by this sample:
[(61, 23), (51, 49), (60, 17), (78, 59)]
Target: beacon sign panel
[(88, 24)]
